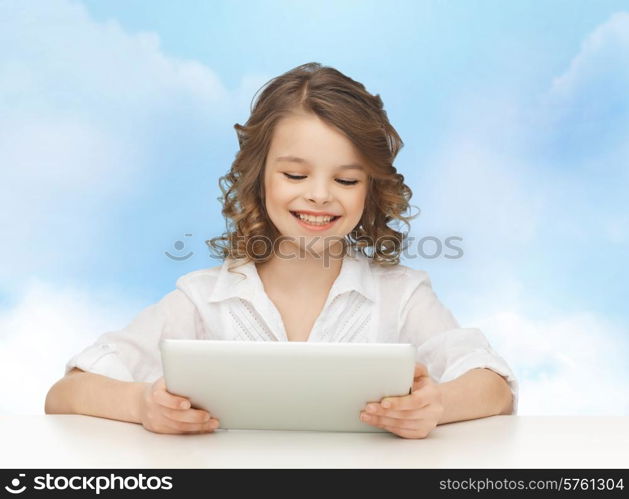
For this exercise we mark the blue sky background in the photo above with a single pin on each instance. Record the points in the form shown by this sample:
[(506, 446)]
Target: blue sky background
[(116, 120)]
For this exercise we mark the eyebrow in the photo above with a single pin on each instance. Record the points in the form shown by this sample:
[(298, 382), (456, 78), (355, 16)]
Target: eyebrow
[(296, 159)]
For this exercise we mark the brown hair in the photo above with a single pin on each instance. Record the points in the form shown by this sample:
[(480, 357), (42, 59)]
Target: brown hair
[(345, 104)]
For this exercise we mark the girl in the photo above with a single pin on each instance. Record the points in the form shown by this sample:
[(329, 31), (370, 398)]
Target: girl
[(309, 255)]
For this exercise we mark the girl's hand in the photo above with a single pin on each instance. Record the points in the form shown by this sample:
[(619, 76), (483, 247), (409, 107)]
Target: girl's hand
[(163, 412), (409, 416)]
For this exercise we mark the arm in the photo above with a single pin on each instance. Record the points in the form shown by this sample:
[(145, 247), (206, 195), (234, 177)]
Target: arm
[(476, 394), (159, 411), (460, 360), (466, 375), (109, 378), (80, 392)]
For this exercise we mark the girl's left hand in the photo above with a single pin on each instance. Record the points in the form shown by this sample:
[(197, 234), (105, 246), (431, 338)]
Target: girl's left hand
[(409, 416)]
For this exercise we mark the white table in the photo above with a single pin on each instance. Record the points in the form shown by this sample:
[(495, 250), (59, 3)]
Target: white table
[(71, 441)]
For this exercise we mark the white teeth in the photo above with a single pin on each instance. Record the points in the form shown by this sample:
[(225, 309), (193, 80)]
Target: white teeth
[(318, 220)]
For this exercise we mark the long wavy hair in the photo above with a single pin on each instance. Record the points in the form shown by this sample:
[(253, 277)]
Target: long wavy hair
[(345, 104)]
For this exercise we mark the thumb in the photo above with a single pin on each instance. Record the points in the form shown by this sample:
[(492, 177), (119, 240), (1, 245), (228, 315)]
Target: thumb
[(421, 371)]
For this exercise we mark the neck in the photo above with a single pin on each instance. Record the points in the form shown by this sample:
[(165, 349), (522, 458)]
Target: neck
[(293, 272)]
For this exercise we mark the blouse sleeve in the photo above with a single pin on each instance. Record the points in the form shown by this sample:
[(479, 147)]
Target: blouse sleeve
[(132, 353), (447, 349)]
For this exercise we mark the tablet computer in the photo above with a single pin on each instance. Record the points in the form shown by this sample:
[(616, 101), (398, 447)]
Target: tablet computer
[(272, 385)]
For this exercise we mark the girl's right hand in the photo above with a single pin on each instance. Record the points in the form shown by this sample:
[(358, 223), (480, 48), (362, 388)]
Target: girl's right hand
[(163, 412)]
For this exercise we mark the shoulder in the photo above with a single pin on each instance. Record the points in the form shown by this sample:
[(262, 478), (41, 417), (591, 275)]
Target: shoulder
[(198, 283), (399, 284), (398, 275)]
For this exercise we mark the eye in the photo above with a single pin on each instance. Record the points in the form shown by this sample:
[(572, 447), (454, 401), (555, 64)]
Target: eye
[(294, 177), (339, 180)]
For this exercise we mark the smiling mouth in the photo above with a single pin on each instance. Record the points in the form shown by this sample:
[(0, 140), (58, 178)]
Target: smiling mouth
[(333, 219)]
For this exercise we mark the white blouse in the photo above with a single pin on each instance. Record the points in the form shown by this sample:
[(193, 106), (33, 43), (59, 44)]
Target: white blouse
[(367, 303)]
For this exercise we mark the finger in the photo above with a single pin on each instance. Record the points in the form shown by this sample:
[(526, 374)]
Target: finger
[(166, 399), (165, 425), (208, 427), (420, 383), (183, 427), (384, 421), (415, 400), (378, 410), (187, 416), (405, 433), (420, 371)]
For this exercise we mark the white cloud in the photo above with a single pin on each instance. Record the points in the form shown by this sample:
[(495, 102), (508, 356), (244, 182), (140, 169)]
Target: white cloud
[(513, 165), (89, 112), (84, 103), (40, 333), (249, 86), (526, 186), (583, 119), (70, 60), (616, 229), (87, 109), (566, 364), (472, 185), (597, 60)]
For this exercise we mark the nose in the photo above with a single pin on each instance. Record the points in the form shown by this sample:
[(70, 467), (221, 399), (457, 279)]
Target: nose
[(318, 192)]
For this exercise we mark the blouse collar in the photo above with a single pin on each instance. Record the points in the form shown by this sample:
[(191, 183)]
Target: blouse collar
[(355, 275)]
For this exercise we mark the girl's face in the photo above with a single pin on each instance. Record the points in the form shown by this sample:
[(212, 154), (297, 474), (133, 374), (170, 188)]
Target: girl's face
[(314, 181)]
